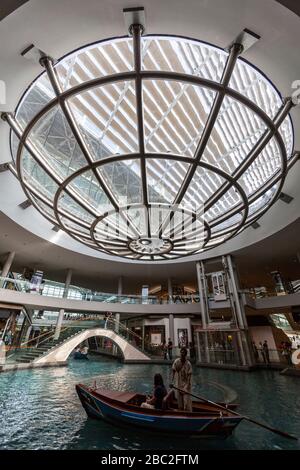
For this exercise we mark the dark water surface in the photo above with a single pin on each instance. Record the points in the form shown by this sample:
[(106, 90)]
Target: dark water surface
[(39, 409)]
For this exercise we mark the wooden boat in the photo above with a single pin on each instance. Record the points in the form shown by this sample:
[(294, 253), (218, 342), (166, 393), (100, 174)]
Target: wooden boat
[(123, 408)]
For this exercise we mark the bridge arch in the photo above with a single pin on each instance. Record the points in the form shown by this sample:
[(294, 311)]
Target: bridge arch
[(61, 352)]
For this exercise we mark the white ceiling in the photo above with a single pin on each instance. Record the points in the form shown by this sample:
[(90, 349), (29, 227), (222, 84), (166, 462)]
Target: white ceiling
[(59, 26)]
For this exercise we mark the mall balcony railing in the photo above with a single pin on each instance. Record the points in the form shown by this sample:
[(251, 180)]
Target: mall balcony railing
[(293, 287), (55, 289)]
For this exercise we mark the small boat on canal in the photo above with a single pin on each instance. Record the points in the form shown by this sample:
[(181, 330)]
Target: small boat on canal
[(124, 408)]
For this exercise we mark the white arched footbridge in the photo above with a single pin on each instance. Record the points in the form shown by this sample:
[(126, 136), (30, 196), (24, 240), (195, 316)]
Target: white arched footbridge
[(60, 353)]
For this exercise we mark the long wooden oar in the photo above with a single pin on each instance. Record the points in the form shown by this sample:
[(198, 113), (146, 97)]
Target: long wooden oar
[(276, 431)]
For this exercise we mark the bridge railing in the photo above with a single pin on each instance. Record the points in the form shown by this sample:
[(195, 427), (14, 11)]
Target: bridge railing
[(12, 352)]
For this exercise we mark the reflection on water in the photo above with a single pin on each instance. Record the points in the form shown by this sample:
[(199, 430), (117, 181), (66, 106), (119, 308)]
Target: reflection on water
[(39, 409)]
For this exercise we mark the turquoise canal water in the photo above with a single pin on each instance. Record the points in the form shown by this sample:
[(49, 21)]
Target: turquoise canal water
[(39, 409)]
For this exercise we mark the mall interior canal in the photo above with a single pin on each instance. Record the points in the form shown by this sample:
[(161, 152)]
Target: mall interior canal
[(39, 409)]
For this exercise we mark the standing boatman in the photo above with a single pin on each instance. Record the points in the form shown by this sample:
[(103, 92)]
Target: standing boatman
[(182, 375)]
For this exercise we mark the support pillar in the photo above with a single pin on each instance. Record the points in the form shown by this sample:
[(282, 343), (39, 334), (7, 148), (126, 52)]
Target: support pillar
[(61, 312), (241, 317), (241, 348), (7, 266), (120, 292), (239, 309), (171, 316), (198, 345), (203, 304), (200, 290), (2, 352)]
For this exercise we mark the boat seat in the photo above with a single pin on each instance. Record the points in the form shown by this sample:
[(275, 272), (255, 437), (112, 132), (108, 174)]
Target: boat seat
[(123, 397)]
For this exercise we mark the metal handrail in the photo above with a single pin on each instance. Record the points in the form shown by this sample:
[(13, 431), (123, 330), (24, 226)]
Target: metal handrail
[(119, 324), (101, 296)]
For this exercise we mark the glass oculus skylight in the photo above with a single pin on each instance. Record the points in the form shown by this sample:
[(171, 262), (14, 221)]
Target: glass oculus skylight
[(152, 148)]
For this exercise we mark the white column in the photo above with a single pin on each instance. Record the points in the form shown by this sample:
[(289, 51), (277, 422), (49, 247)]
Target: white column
[(7, 265), (241, 348), (2, 352), (198, 345), (120, 292), (201, 295), (203, 305), (243, 338), (171, 316), (239, 308), (61, 312)]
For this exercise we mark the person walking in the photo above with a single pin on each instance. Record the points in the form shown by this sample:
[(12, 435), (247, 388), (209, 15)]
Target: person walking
[(164, 348), (182, 375), (170, 349)]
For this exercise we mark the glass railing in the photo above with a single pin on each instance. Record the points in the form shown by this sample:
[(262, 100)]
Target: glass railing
[(274, 356), (262, 292), (214, 355), (56, 290)]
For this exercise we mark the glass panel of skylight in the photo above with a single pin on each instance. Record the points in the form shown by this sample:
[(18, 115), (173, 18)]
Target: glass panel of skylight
[(183, 56), (88, 189), (230, 223), (14, 144), (164, 178), (69, 205), (37, 96), (36, 177), (252, 84), (114, 226), (262, 201), (95, 61), (190, 231), (236, 131), (124, 180), (229, 200), (215, 241), (175, 114), (262, 169), (106, 116), (203, 184), (160, 220), (138, 217), (54, 140)]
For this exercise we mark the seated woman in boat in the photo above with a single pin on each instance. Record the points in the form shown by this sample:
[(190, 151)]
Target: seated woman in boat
[(156, 401)]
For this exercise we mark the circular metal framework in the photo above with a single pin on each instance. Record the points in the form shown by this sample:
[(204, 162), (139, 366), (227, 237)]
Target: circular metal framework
[(152, 147)]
